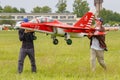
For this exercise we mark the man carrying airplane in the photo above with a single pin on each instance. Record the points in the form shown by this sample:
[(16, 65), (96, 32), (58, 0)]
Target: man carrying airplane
[(27, 48), (97, 45)]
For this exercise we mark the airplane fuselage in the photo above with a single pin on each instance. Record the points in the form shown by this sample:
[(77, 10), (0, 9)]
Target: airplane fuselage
[(51, 30)]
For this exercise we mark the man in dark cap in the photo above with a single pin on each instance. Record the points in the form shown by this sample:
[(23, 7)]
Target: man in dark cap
[(27, 48), (97, 45)]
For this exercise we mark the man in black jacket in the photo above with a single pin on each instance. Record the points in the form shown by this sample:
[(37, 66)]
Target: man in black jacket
[(27, 48)]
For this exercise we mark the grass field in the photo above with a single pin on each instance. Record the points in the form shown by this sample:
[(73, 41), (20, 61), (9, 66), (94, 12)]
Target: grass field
[(58, 62)]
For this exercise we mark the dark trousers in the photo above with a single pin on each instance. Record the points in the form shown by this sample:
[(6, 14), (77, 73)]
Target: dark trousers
[(23, 53)]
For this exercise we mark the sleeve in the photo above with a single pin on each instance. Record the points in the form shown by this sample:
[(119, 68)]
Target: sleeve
[(21, 35)]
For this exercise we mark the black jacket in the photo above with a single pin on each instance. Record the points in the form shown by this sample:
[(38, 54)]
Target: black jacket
[(26, 38)]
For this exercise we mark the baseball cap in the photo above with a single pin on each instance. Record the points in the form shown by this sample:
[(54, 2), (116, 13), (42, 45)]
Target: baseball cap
[(100, 19), (25, 19)]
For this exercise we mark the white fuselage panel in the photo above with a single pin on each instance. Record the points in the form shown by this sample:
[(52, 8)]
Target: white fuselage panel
[(61, 32)]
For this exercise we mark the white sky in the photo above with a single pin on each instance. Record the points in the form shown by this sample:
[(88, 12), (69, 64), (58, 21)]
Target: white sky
[(28, 5)]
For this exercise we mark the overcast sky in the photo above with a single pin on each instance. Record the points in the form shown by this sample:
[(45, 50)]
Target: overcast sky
[(28, 5)]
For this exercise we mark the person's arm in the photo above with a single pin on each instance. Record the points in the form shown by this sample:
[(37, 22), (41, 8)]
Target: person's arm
[(90, 35), (102, 29), (21, 34)]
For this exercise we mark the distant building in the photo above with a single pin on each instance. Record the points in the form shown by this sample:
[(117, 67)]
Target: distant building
[(68, 18)]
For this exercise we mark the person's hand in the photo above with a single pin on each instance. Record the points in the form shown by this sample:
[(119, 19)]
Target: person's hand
[(90, 35)]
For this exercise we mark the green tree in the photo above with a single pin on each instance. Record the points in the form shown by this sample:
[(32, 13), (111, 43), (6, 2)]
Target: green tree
[(110, 16), (15, 10), (1, 9), (7, 9), (46, 9), (80, 7), (61, 5), (22, 10), (36, 9)]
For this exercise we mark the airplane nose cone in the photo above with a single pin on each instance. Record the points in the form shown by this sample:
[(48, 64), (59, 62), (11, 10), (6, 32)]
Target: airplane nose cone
[(18, 25)]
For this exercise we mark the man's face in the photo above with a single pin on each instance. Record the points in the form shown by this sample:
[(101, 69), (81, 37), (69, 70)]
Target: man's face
[(98, 22)]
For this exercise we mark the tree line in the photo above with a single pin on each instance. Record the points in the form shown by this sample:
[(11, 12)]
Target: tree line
[(80, 7), (110, 17)]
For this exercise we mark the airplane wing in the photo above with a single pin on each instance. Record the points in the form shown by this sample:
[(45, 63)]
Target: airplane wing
[(68, 28), (65, 26)]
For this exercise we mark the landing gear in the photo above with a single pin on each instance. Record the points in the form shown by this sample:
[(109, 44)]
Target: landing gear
[(69, 41), (55, 41)]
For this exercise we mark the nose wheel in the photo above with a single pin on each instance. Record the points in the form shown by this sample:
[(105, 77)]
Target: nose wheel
[(69, 41), (55, 41)]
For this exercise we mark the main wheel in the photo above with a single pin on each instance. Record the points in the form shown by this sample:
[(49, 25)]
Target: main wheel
[(55, 41), (69, 41)]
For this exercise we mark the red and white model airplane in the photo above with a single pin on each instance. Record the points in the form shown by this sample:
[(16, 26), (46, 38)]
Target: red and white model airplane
[(56, 28)]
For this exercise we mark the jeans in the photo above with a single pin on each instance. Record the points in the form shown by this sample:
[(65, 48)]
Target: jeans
[(23, 53)]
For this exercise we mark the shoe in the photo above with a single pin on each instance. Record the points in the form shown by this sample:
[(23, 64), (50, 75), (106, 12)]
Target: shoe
[(106, 49), (19, 72)]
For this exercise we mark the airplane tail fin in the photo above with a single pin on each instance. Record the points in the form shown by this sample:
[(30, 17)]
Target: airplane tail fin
[(85, 21)]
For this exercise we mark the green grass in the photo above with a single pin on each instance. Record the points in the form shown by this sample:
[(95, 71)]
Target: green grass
[(58, 62)]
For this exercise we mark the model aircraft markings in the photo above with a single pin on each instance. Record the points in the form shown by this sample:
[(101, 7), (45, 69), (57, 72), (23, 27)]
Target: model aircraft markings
[(86, 18), (36, 27)]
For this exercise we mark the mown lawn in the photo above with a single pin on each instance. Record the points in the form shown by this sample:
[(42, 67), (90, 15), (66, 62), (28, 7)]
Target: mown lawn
[(58, 62)]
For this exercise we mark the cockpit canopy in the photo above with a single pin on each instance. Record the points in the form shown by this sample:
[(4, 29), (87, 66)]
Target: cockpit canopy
[(41, 20)]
